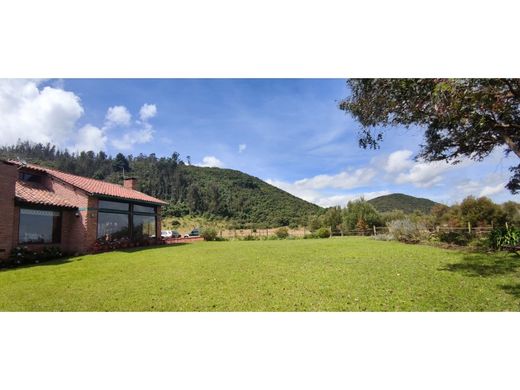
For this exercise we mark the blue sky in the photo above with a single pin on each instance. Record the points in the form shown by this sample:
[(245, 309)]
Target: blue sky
[(288, 132)]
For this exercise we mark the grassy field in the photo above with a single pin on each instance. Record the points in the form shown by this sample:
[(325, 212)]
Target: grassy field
[(343, 274)]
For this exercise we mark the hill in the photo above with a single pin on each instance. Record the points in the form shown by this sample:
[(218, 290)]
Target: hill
[(403, 202), (214, 193)]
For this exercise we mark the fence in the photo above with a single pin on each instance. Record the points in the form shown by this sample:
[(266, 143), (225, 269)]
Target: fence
[(300, 232)]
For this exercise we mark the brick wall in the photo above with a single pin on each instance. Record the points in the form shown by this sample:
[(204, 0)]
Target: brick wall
[(8, 176)]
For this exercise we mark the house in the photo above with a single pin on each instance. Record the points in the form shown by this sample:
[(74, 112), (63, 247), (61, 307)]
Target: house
[(42, 207)]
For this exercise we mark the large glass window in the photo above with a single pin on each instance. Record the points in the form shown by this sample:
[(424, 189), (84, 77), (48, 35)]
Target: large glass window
[(108, 204), (144, 209), (112, 226), (39, 226), (143, 226)]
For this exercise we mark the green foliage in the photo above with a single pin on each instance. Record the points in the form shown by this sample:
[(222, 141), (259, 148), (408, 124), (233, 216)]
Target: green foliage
[(407, 231), (481, 212), (22, 255), (209, 234), (405, 203), (190, 190), (282, 233), (462, 117), (323, 233), (360, 214), (461, 238), (501, 237)]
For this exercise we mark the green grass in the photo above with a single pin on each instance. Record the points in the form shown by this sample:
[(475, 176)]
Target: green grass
[(343, 274)]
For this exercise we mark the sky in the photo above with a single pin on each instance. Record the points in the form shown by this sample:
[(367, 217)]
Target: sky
[(288, 132)]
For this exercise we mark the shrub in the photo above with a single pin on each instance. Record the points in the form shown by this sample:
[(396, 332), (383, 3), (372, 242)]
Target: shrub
[(209, 234), (282, 233), (293, 225), (22, 255), (308, 236), (249, 237), (323, 233), (407, 231), (176, 223), (501, 237), (458, 238)]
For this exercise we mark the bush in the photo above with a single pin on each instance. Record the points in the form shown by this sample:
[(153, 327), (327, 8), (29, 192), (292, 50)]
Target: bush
[(282, 233), (209, 234), (501, 237), (249, 237), (22, 255), (323, 233), (293, 225), (308, 236), (176, 223), (461, 238), (407, 231)]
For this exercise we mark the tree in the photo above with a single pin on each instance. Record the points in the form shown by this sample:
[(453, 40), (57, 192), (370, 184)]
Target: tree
[(360, 210), (121, 163), (480, 211), (194, 199), (462, 117), (332, 217)]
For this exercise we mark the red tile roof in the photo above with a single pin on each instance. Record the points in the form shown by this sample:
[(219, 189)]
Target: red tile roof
[(95, 187), (38, 194)]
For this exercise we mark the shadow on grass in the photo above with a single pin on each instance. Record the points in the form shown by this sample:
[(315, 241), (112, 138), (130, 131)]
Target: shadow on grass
[(143, 248), (481, 264), (513, 289), (63, 260)]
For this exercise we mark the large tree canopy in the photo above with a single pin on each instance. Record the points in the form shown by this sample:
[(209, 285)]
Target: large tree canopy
[(461, 117)]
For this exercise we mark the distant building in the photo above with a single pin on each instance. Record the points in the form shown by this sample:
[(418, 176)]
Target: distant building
[(42, 207)]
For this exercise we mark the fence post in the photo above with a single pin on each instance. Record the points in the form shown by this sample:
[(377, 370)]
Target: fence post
[(375, 231), (469, 227), (331, 232)]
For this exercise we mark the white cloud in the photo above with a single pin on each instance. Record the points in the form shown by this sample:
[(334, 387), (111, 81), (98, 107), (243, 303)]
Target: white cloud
[(242, 148), (129, 139), (492, 190), (399, 161), (322, 199), (140, 136), (342, 200), (345, 180), (117, 116), (211, 161), (147, 111), (36, 114), (90, 138), (423, 175)]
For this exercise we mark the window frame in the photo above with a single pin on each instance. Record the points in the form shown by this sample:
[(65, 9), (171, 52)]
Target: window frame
[(41, 208), (130, 213)]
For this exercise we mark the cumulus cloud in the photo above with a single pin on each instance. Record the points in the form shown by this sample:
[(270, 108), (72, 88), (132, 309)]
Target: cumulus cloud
[(313, 189), (129, 139), (345, 180), (142, 134), (493, 190), (29, 112), (242, 148), (398, 161), (318, 197), (90, 138), (147, 111), (117, 116), (211, 161)]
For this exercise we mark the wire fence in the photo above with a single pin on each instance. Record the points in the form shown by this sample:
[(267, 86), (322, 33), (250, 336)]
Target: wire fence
[(337, 232)]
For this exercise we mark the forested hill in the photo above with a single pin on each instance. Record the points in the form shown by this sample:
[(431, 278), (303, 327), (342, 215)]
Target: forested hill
[(222, 193), (403, 202)]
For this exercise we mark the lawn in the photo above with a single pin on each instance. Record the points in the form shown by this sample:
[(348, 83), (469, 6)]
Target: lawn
[(340, 274)]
